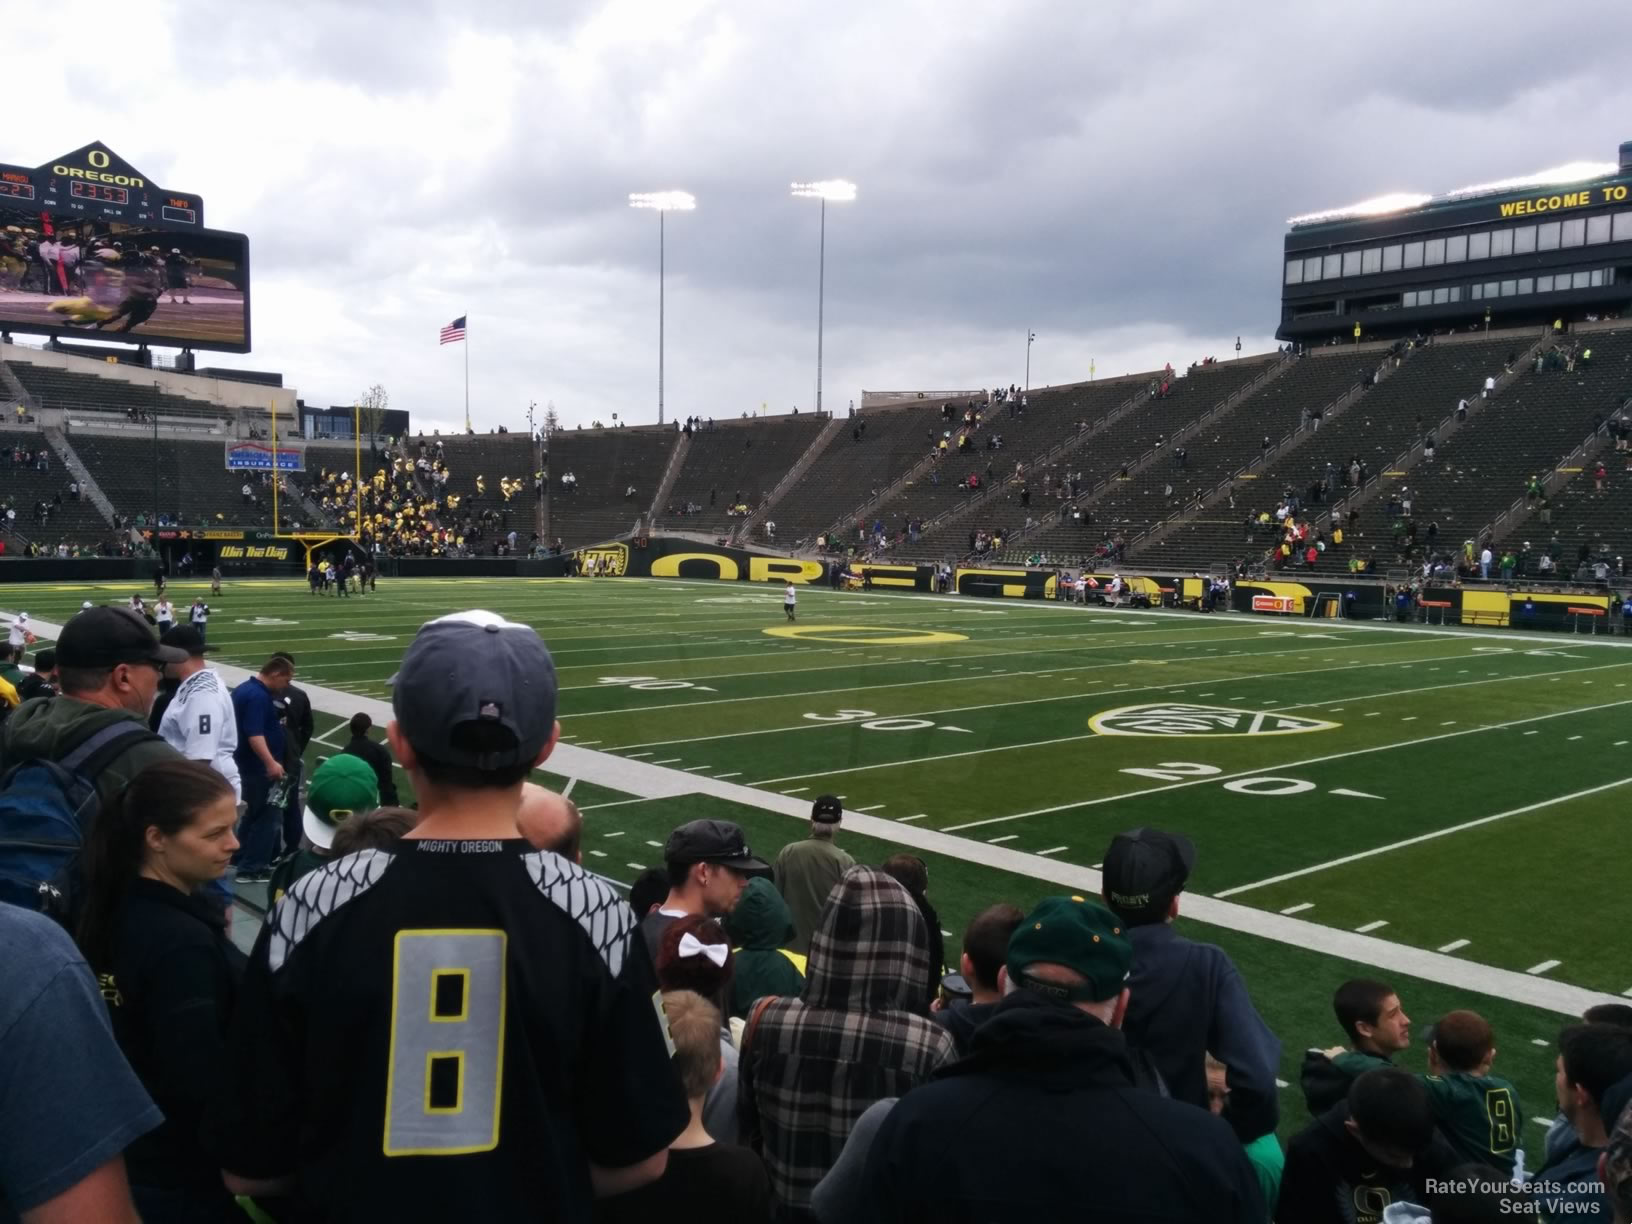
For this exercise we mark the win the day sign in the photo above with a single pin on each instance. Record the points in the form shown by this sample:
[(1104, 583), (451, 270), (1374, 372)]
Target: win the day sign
[(1179, 719)]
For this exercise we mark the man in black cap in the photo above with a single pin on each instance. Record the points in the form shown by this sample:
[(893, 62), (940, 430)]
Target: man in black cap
[(806, 871), (42, 681), (456, 1026), (709, 863), (108, 668), (1188, 998), (1044, 1114)]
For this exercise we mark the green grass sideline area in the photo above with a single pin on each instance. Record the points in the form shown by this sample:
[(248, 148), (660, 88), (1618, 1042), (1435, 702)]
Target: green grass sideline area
[(1448, 791)]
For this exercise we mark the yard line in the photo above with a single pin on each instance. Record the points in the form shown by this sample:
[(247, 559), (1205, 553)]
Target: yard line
[(1620, 743), (1423, 837), (656, 845), (919, 816), (598, 853), (1532, 732), (1540, 1041), (1372, 926), (1007, 837), (695, 768), (587, 743), (613, 833), (1451, 723), (668, 761), (1574, 737), (798, 790), (566, 791), (732, 774), (635, 756), (1053, 850), (874, 808), (1299, 907), (636, 866), (1455, 945), (614, 803), (1546, 966)]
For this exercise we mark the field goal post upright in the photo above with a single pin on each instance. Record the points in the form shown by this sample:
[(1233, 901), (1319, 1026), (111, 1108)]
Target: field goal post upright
[(311, 541), (1327, 604)]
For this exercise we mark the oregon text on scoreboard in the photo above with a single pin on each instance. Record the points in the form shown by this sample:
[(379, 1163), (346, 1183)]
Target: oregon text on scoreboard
[(1516, 253)]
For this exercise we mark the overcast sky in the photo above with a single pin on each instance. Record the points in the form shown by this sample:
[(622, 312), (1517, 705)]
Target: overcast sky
[(1115, 177)]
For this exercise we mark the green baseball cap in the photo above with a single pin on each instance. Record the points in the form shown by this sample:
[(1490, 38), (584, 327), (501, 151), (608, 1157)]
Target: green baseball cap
[(343, 786), (1076, 933)]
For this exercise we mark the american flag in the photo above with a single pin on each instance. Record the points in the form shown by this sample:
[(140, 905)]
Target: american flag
[(454, 332)]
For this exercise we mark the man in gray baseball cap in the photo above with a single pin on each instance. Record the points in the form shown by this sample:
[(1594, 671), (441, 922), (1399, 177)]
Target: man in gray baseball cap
[(465, 962)]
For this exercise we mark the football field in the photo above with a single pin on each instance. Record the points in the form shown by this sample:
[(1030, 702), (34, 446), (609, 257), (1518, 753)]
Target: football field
[(1441, 808)]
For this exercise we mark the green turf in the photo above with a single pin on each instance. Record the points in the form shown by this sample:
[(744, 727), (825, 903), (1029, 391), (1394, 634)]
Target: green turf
[(984, 733)]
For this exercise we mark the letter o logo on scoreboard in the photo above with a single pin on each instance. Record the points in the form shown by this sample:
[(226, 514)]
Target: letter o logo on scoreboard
[(97, 158)]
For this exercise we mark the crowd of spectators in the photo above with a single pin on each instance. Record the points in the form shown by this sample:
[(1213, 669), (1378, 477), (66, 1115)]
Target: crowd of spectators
[(447, 1017)]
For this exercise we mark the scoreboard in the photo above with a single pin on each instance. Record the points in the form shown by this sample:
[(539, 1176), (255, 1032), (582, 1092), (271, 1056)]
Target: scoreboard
[(97, 184)]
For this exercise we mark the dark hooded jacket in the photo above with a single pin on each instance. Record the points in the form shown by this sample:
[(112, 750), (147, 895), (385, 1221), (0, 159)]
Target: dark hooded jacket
[(810, 1066), (761, 926), (1045, 1120), (1325, 1081)]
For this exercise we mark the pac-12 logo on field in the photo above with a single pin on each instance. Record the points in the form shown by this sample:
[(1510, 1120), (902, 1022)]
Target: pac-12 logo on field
[(1176, 718)]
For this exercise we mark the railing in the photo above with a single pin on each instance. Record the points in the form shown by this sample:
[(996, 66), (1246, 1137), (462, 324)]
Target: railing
[(1555, 479), (801, 465)]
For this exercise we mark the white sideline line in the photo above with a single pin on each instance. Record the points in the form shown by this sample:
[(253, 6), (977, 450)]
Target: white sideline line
[(1546, 966), (1299, 907), (615, 803), (1455, 945), (1372, 926), (1422, 837)]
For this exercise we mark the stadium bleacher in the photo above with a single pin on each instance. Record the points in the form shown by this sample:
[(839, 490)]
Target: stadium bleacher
[(180, 478), (1377, 428), (23, 488), (605, 462), (90, 393), (1126, 442), (734, 456)]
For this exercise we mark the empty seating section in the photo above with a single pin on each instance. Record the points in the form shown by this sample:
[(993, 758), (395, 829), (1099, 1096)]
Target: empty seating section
[(605, 463), (1223, 446), (1050, 417), (856, 462), (1523, 432), (1583, 515), (24, 488), (1105, 453), (1376, 429), (55, 388), (747, 457), (188, 480)]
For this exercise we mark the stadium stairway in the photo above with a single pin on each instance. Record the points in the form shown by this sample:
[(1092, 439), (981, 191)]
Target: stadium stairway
[(1532, 427), (1130, 441), (89, 489), (818, 447), (74, 522), (671, 471), (1379, 427), (748, 456), (606, 462), (1581, 515)]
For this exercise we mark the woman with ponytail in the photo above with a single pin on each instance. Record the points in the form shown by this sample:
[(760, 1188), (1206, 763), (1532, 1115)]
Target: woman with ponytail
[(167, 970)]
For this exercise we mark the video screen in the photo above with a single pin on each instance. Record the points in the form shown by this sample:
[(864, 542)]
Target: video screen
[(65, 275)]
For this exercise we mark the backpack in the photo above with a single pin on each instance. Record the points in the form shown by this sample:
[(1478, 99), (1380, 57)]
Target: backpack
[(45, 809)]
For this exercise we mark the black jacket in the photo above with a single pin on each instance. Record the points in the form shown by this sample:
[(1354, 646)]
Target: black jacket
[(1330, 1179), (1188, 1000), (170, 990), (378, 756), (297, 714), (1043, 1120)]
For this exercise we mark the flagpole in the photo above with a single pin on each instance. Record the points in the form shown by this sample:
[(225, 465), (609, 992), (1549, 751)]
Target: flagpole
[(467, 374)]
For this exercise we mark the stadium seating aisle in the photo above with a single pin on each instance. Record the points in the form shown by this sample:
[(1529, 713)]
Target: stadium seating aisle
[(1150, 425), (733, 456), (23, 488), (1383, 423), (1534, 421), (605, 463)]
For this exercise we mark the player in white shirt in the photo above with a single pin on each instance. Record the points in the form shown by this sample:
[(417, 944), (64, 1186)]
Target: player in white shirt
[(199, 616), (19, 635), (164, 616), (789, 598), (199, 722)]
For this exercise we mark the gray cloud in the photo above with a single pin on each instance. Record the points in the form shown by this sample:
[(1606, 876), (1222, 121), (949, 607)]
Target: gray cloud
[(1116, 178)]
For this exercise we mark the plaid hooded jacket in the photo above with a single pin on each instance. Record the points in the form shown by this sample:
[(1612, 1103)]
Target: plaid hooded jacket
[(812, 1065)]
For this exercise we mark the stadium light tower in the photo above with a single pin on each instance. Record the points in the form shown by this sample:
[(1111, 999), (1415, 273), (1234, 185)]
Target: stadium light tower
[(662, 202), (840, 192)]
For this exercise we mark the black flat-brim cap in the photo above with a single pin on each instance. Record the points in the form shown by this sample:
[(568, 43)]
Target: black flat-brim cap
[(106, 637), (475, 668)]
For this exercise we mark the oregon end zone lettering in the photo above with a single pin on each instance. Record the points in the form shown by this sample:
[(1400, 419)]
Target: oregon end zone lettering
[(668, 566), (781, 569), (889, 575)]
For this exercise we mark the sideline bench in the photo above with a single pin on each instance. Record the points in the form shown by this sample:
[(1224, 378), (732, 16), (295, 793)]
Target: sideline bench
[(1595, 617), (1488, 616), (1430, 606)]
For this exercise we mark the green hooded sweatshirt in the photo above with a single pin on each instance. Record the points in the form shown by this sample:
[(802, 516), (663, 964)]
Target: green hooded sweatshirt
[(762, 925), (48, 728)]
